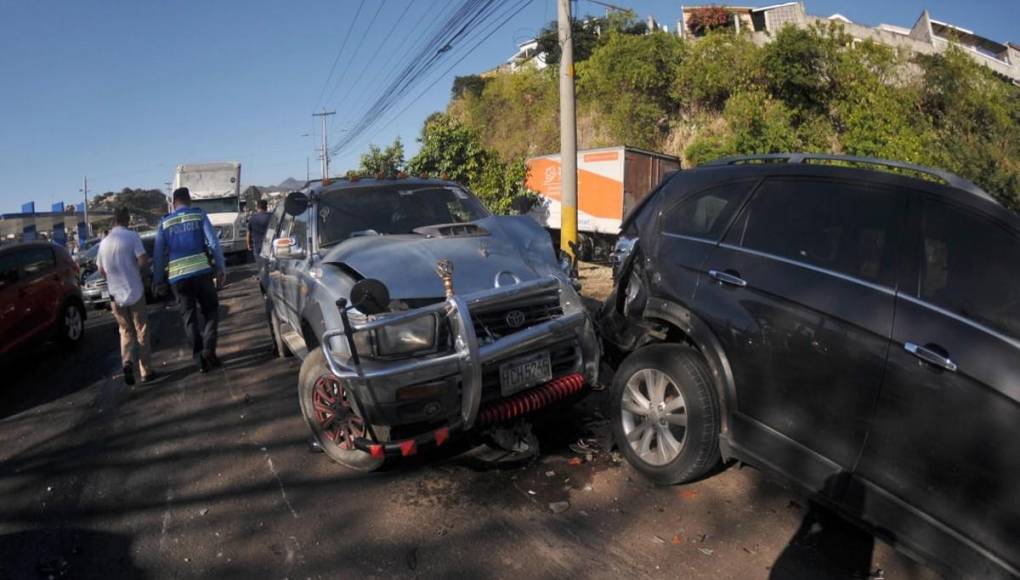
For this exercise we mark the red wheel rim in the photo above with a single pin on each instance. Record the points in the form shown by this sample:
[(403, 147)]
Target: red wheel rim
[(334, 414)]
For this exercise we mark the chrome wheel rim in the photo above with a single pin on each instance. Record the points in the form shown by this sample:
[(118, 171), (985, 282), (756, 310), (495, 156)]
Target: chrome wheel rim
[(654, 416), (72, 322)]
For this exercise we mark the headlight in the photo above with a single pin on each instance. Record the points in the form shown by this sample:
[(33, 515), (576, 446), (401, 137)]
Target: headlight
[(621, 251), (408, 337), (224, 232)]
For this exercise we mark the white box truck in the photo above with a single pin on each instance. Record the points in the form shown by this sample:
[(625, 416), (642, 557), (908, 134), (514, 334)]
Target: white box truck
[(610, 181), (216, 189)]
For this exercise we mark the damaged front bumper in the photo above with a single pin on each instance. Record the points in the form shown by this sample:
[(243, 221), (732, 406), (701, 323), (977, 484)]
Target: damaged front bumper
[(466, 366)]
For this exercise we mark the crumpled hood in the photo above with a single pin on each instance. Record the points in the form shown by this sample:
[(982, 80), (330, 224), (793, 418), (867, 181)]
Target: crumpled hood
[(407, 263)]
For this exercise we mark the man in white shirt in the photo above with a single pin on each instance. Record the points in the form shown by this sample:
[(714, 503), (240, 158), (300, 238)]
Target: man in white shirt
[(121, 256)]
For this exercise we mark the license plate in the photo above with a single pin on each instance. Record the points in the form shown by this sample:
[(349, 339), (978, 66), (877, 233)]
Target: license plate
[(522, 373), (105, 294)]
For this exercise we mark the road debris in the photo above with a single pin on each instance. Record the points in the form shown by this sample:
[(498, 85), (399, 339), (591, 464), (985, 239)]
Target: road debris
[(559, 507), (677, 540), (706, 551)]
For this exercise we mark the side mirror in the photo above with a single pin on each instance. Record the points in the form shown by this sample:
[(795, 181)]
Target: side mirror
[(295, 204), (281, 247), (370, 296)]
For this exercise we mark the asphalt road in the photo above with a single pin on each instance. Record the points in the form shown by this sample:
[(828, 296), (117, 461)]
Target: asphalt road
[(210, 476)]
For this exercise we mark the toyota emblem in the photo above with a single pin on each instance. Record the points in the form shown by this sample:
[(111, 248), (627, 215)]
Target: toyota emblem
[(515, 319)]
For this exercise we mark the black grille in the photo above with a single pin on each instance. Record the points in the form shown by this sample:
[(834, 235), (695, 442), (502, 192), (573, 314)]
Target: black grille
[(497, 323), (563, 356)]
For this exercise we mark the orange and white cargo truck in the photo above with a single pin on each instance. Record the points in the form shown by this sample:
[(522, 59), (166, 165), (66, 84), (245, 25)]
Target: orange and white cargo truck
[(610, 181)]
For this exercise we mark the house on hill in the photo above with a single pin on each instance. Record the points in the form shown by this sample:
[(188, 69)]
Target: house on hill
[(926, 36)]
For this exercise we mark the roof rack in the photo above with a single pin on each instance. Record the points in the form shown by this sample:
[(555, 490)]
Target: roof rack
[(946, 177)]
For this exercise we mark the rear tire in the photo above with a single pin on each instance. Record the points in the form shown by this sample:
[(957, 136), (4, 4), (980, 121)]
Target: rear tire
[(316, 377), (665, 414), (71, 324)]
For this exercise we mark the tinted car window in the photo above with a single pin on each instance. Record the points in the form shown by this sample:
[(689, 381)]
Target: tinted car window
[(705, 214), (970, 266), (9, 268), (36, 260), (845, 228)]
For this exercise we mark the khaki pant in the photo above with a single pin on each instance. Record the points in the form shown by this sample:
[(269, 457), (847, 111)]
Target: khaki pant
[(134, 334)]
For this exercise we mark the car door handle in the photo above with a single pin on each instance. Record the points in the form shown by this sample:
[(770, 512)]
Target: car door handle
[(727, 278), (930, 356)]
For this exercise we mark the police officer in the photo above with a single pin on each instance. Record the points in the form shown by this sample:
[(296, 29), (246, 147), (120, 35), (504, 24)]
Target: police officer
[(188, 237)]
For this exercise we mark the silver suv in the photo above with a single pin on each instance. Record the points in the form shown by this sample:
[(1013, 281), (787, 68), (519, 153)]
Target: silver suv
[(418, 315)]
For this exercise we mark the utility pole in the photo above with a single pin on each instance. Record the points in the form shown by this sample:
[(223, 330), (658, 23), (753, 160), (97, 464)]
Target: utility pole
[(568, 133), (325, 143), (85, 208)]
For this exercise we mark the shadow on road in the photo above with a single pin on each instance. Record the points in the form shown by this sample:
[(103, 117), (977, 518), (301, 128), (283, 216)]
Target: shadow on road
[(67, 553)]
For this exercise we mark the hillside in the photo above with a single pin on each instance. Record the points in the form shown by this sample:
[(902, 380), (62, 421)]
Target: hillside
[(808, 90)]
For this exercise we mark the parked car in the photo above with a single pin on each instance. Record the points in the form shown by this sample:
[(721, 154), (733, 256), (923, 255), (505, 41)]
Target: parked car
[(418, 315), (94, 287), (853, 331), (39, 296)]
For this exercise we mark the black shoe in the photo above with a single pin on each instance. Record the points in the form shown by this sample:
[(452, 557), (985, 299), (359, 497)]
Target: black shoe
[(150, 377), (203, 364), (214, 361), (129, 375)]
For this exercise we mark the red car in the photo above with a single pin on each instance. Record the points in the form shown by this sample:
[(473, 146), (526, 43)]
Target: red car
[(39, 296)]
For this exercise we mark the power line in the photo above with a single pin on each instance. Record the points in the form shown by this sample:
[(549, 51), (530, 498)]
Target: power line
[(471, 14), (481, 36), (420, 47), (361, 42), (386, 66), (343, 45)]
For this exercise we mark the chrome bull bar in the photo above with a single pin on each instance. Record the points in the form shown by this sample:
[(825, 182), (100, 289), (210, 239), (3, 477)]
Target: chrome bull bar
[(466, 357)]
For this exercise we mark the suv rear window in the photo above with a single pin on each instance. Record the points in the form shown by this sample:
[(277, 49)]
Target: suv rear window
[(841, 227), (970, 266)]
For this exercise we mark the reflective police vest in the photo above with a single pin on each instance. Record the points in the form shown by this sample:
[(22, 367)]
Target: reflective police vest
[(183, 232)]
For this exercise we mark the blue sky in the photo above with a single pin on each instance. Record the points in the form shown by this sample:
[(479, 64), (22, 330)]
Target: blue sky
[(124, 90)]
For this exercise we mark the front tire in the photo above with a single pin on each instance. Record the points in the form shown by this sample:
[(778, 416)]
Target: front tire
[(327, 410), (665, 414)]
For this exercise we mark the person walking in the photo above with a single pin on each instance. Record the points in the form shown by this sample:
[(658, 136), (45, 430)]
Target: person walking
[(120, 259), (258, 225), (186, 236)]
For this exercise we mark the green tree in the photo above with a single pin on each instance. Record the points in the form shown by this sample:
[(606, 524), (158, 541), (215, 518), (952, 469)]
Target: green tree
[(467, 85), (711, 69), (516, 115), (628, 80), (793, 67), (452, 151), (386, 162), (976, 119)]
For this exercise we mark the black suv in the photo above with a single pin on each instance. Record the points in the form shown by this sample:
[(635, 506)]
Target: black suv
[(852, 331)]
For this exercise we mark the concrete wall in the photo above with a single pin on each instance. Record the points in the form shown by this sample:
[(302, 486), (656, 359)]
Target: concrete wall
[(777, 18)]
